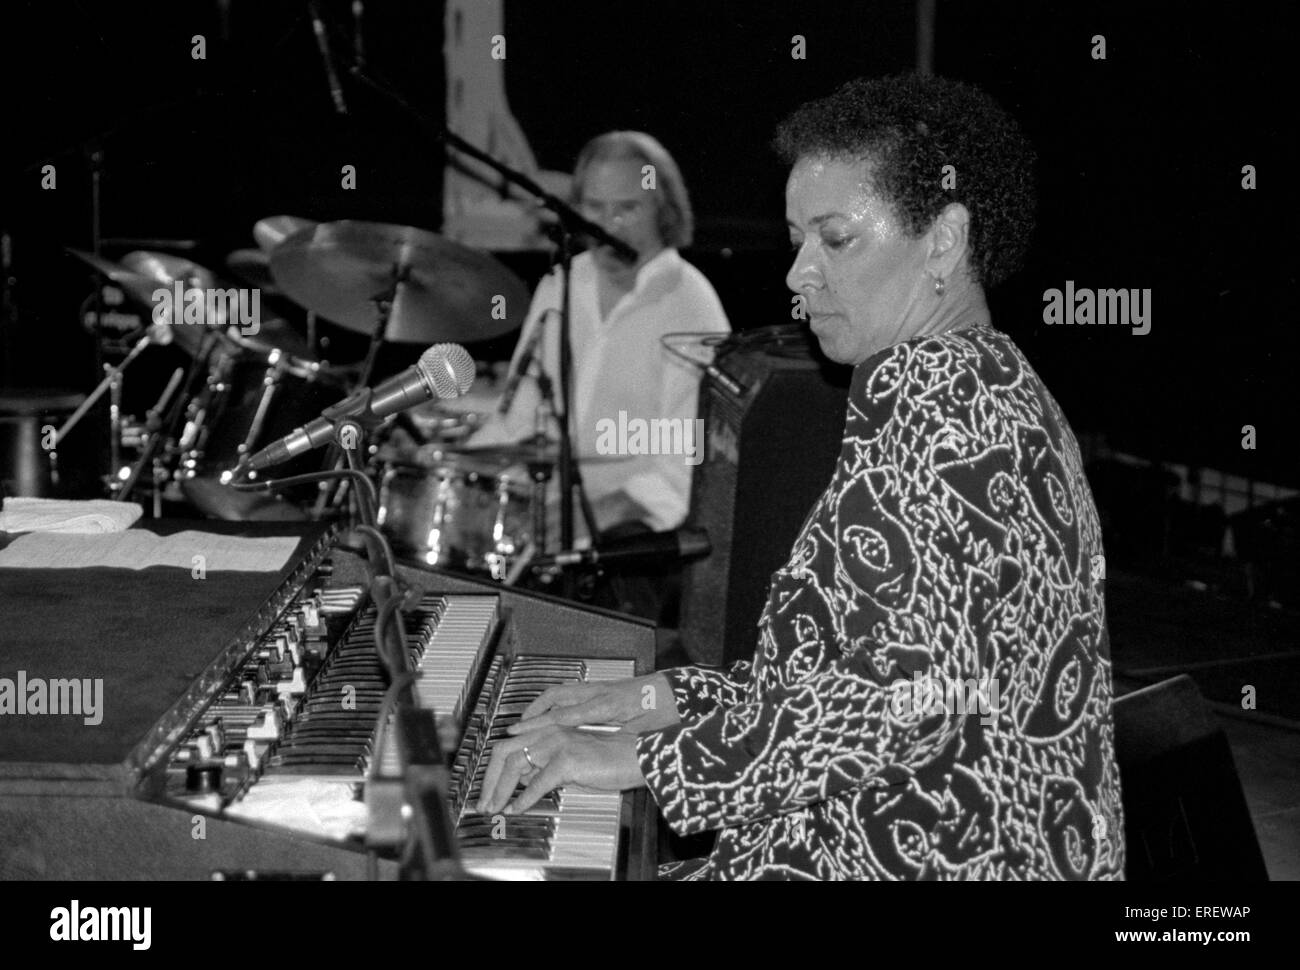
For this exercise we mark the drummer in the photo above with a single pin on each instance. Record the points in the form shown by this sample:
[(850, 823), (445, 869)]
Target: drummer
[(628, 184)]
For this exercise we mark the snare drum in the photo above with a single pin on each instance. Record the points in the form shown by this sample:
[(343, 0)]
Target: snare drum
[(449, 516)]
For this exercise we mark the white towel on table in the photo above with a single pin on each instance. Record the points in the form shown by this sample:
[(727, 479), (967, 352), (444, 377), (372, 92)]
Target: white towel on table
[(88, 516)]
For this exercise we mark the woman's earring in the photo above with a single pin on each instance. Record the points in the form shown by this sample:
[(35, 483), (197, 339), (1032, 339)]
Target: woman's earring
[(938, 286)]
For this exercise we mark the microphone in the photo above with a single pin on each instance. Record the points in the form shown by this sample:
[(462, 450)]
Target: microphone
[(322, 42), (444, 371), (516, 376), (648, 549)]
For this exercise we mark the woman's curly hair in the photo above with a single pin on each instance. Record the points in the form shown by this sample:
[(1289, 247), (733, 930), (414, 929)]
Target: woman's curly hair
[(908, 128)]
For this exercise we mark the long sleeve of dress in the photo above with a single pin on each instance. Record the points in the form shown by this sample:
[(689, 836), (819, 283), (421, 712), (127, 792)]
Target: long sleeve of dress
[(698, 691)]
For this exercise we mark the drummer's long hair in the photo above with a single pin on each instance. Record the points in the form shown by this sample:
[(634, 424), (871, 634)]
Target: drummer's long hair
[(675, 219)]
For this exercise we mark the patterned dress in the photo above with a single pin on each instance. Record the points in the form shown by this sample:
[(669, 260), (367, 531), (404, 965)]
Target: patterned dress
[(931, 693)]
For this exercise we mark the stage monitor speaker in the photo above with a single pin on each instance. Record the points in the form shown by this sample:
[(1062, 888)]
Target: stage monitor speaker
[(771, 451), (1185, 816)]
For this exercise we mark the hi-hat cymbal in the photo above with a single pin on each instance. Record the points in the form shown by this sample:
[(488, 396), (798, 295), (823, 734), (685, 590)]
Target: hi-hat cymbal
[(273, 230), (138, 288), (167, 268), (440, 290), (253, 266), (273, 332)]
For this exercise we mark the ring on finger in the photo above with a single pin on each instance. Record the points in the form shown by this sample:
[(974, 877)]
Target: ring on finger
[(529, 758)]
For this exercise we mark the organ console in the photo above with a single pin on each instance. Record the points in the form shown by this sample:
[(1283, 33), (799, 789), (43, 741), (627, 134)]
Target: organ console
[(244, 732)]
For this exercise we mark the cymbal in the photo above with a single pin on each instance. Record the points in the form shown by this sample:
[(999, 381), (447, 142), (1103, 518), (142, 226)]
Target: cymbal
[(116, 272), (447, 292), (276, 333), (273, 230), (139, 288), (164, 270), (167, 268), (253, 266), (127, 242)]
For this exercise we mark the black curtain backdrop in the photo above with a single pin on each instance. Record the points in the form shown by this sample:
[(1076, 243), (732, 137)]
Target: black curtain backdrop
[(1141, 158)]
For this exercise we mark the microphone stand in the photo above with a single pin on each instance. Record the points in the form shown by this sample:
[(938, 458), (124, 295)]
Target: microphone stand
[(539, 470), (153, 441), (95, 155), (541, 473), (410, 810), (112, 382), (571, 225), (332, 495)]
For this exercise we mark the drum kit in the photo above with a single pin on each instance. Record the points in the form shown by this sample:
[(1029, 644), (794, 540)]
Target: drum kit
[(253, 377)]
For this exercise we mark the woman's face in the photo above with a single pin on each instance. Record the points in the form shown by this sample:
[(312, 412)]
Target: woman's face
[(862, 277)]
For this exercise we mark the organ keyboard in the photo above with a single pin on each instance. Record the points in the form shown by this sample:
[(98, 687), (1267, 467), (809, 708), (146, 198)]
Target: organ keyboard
[(269, 752)]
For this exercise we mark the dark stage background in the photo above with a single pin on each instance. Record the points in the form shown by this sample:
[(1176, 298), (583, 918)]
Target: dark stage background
[(1141, 158)]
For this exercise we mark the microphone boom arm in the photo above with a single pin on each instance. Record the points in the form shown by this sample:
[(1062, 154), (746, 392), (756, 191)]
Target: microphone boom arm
[(573, 220)]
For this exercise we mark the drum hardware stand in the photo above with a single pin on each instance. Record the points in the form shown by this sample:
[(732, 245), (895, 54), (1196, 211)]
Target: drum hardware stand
[(95, 154), (8, 308), (502, 546), (112, 383), (522, 564), (270, 384), (185, 429), (383, 310), (333, 492), (539, 471), (153, 425), (563, 415)]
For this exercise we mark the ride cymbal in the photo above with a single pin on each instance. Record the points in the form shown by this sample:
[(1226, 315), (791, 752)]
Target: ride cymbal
[(439, 290)]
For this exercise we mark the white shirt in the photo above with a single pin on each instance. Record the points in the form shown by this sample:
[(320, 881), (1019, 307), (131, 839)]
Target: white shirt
[(619, 365)]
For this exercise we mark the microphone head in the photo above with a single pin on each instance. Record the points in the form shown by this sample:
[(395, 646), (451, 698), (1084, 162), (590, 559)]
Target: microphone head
[(448, 368)]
